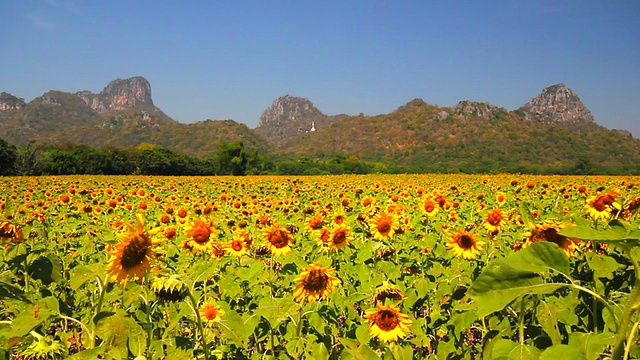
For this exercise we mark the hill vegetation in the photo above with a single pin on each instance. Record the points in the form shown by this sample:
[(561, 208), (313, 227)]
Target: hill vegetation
[(553, 133)]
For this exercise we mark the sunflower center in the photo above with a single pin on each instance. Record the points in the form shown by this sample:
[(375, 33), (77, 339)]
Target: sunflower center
[(316, 281), (237, 245), (465, 241), (494, 218), (315, 223), (210, 312), (386, 320), (429, 207), (134, 252), (279, 239), (599, 205), (384, 227), (339, 238), (200, 235)]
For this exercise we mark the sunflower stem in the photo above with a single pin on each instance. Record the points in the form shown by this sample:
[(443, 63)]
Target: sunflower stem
[(627, 349), (194, 307), (299, 327), (521, 321), (26, 275), (629, 311)]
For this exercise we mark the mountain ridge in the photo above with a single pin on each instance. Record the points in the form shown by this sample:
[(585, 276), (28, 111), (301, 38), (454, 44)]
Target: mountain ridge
[(552, 129)]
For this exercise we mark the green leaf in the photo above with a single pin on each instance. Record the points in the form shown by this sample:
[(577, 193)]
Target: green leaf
[(560, 352), (619, 233), (518, 274), (602, 265), (89, 354), (401, 352), (8, 291), (504, 349), (549, 321), (81, 274), (591, 345)]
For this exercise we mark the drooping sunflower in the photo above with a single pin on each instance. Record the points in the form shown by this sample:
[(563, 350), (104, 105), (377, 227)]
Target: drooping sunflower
[(383, 226), (387, 291), (169, 288), (210, 313), (10, 232), (494, 220), (549, 232), (387, 323), (340, 237), (465, 245), (279, 240), (130, 257), (315, 282), (200, 233)]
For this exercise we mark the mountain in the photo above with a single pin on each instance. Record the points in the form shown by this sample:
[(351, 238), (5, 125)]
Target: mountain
[(554, 130), (122, 114), (558, 103), (289, 117)]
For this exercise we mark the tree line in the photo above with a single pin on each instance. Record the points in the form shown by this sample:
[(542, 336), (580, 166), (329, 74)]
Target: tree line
[(231, 158)]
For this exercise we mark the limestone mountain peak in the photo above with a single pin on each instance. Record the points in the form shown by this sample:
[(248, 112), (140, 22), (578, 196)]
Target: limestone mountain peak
[(558, 103)]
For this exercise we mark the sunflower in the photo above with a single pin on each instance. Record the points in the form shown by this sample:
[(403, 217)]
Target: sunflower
[(313, 283), (315, 223), (494, 220), (383, 226), (169, 288), (387, 323), (501, 198), (200, 233), (599, 206), (279, 240), (387, 291), (130, 257), (463, 244), (549, 232), (210, 312), (236, 247), (10, 232), (430, 208), (340, 237)]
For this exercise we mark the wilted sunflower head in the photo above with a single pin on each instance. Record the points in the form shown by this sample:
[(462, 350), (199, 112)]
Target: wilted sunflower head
[(169, 288), (10, 232), (549, 231), (43, 348), (387, 291)]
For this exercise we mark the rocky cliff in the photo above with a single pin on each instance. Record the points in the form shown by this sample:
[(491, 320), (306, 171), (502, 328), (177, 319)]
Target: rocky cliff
[(558, 103), (120, 94), (288, 117), (9, 102)]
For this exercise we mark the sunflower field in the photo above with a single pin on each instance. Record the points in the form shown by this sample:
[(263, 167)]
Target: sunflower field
[(327, 267)]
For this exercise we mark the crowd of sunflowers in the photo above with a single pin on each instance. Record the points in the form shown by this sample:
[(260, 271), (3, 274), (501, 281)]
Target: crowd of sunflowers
[(332, 267)]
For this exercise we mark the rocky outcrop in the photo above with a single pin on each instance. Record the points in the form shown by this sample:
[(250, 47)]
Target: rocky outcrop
[(120, 94), (288, 109), (558, 103), (478, 109), (9, 102)]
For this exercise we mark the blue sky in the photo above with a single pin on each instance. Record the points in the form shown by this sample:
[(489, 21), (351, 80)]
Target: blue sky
[(231, 59)]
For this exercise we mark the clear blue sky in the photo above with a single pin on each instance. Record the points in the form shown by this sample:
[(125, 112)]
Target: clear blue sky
[(231, 59)]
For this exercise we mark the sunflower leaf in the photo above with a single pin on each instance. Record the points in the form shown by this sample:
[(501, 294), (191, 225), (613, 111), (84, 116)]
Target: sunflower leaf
[(518, 274), (619, 233)]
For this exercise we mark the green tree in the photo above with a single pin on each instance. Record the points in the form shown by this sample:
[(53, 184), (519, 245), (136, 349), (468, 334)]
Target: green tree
[(8, 157), (232, 158)]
